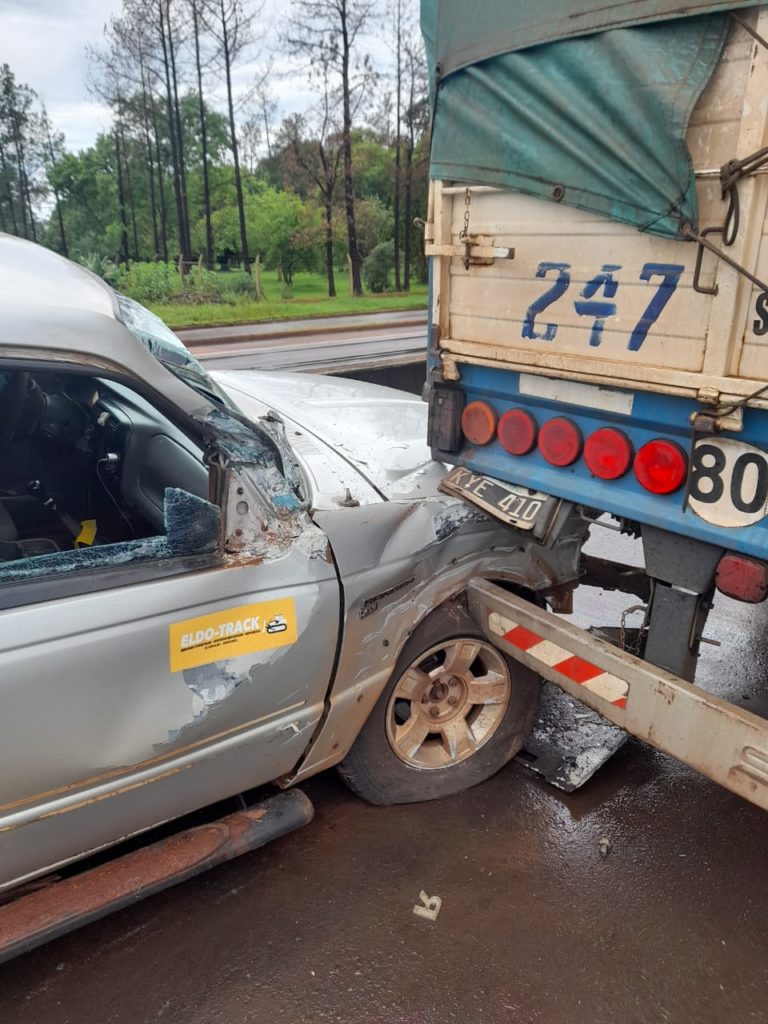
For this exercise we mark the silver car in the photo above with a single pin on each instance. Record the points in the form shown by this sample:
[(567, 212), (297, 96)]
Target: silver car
[(210, 583)]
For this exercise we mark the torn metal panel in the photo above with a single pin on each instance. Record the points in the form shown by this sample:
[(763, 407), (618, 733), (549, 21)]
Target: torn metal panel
[(265, 510)]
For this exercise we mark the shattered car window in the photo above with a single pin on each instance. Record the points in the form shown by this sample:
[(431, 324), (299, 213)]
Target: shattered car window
[(192, 527), (163, 344)]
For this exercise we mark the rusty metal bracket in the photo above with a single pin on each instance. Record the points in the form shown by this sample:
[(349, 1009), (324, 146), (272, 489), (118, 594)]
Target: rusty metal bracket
[(474, 251), (704, 244)]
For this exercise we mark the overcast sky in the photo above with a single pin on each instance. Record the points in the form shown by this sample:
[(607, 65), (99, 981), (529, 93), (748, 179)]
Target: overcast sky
[(44, 43)]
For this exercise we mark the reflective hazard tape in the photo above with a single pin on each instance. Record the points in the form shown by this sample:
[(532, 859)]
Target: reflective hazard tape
[(578, 670)]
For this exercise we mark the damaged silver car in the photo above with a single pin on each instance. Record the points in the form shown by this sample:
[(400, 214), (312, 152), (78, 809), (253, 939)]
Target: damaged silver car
[(210, 583)]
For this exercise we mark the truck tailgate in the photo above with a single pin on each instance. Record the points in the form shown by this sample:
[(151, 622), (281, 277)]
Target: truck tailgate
[(587, 298)]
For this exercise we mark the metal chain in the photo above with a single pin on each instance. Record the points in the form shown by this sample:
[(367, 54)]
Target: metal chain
[(467, 200)]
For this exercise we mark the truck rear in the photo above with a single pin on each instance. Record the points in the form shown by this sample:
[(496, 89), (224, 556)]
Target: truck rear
[(599, 329)]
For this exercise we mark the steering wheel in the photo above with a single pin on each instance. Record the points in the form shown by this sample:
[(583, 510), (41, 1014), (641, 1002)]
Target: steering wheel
[(12, 406)]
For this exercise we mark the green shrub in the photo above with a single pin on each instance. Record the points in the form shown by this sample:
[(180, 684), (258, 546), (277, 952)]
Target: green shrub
[(203, 281), (237, 282), (376, 267), (148, 282)]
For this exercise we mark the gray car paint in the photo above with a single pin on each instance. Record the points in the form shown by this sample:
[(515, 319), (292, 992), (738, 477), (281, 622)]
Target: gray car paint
[(99, 739)]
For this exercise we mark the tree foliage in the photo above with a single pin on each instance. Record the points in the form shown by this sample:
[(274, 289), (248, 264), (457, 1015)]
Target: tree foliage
[(190, 170)]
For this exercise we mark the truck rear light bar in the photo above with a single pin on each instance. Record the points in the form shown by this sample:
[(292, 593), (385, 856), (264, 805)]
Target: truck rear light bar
[(724, 742), (660, 465)]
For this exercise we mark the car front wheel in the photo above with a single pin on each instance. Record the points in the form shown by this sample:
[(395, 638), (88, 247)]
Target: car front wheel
[(454, 712)]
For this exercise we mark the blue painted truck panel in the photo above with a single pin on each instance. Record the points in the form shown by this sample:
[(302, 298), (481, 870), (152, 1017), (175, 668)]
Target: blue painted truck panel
[(652, 416)]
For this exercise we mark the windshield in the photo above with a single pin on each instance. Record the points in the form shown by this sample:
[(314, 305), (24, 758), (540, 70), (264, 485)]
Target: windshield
[(160, 340)]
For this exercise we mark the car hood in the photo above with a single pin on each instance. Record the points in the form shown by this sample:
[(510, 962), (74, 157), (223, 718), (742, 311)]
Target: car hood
[(379, 431)]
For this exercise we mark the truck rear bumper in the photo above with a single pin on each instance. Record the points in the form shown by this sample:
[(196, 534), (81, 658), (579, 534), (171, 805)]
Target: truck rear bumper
[(718, 739)]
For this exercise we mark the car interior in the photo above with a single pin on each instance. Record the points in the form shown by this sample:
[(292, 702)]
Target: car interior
[(85, 462)]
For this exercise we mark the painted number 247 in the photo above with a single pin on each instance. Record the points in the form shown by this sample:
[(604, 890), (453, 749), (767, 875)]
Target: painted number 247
[(596, 299)]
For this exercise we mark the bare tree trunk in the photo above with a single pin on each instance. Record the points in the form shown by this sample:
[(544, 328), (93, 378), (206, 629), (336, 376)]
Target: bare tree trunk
[(20, 172), (60, 218), (329, 248), (349, 198), (204, 142), (57, 197), (129, 194), (121, 198), (171, 125), (186, 243), (233, 135), (9, 192), (398, 115), (408, 213), (161, 188), (26, 192), (150, 166)]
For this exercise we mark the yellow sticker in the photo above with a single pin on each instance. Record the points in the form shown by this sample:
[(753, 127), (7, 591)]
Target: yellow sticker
[(235, 631)]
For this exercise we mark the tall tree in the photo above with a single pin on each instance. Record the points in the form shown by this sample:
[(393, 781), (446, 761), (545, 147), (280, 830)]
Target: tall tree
[(330, 31), (22, 157), (416, 118), (161, 10), (397, 17), (121, 195), (54, 150), (195, 8), (317, 158), (232, 26), (267, 108), (172, 41)]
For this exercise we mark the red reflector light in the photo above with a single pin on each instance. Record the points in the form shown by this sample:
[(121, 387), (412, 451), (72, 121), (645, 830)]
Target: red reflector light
[(517, 432), (478, 421), (742, 578), (608, 453), (661, 466), (560, 441)]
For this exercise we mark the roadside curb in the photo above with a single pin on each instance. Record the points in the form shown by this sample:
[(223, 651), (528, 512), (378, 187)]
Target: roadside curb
[(246, 335)]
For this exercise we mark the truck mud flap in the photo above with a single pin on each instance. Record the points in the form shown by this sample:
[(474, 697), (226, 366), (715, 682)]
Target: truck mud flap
[(724, 742)]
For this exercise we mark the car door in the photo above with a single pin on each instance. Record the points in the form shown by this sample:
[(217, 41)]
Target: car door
[(139, 688)]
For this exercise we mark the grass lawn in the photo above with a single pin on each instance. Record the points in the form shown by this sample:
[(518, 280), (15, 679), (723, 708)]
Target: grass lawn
[(309, 299)]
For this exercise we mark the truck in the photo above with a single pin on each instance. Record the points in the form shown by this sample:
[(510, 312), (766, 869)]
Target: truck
[(598, 336)]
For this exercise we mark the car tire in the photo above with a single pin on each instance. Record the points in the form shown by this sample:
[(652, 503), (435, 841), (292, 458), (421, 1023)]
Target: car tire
[(455, 711)]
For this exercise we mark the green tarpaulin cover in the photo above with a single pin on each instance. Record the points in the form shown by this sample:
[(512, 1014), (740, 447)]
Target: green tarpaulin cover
[(536, 98)]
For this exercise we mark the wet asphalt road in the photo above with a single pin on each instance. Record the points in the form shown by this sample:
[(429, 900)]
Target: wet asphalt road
[(535, 926), (342, 344)]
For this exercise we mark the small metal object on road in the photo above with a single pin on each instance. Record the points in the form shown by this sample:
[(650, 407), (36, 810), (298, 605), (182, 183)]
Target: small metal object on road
[(604, 845), (431, 906)]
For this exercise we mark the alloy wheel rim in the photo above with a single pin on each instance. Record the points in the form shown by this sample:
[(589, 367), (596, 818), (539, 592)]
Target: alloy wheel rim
[(448, 703)]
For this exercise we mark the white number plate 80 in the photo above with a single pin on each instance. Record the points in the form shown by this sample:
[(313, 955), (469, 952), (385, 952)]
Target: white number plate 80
[(729, 483)]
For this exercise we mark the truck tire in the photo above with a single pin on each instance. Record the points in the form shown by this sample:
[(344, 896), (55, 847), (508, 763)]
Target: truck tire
[(455, 711)]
